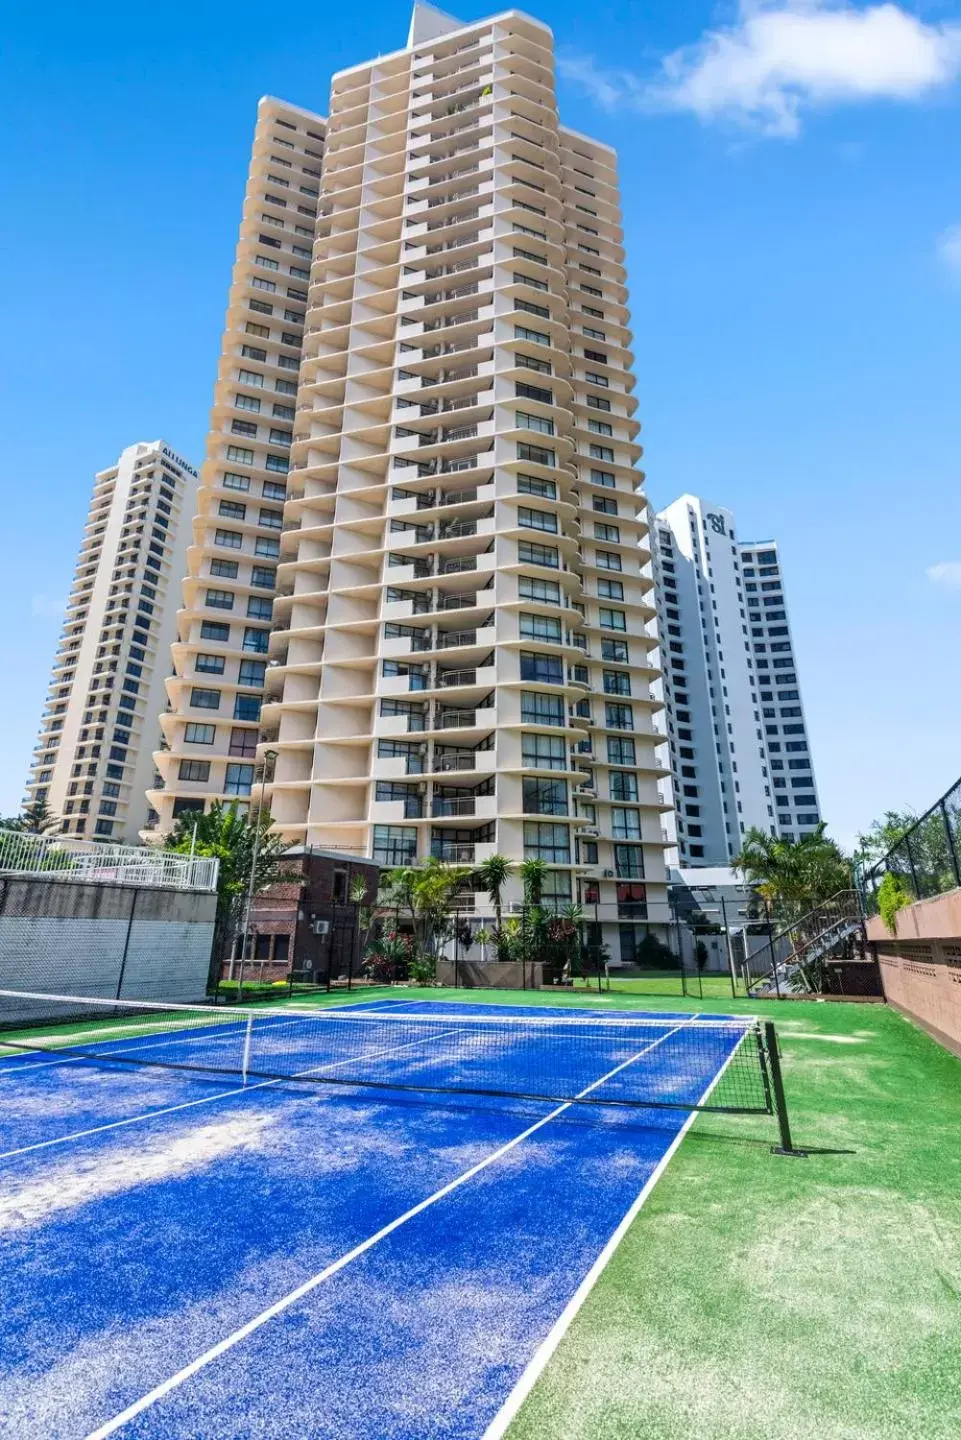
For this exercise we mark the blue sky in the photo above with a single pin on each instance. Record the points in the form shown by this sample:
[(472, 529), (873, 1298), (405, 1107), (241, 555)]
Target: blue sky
[(792, 207)]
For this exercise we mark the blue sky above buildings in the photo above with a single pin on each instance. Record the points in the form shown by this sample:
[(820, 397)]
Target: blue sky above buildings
[(792, 208)]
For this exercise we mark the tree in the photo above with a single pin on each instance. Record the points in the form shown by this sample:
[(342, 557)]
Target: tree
[(424, 893), (366, 908), (793, 876), (882, 835), (493, 874), (37, 818), (227, 833), (917, 848), (533, 876)]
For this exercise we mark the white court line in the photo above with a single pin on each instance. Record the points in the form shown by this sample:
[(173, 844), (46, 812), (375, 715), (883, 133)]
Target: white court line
[(221, 1094), (538, 1361), (279, 1306)]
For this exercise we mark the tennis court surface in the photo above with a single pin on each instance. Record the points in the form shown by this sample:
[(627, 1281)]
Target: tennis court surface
[(367, 1221)]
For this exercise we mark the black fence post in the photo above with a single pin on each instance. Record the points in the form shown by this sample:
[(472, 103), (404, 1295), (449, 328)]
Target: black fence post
[(914, 873), (786, 1146), (949, 831), (126, 944)]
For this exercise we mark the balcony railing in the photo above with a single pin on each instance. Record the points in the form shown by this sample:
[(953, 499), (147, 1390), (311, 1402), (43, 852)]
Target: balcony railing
[(453, 852), (454, 719), (456, 677), (462, 806), (447, 763)]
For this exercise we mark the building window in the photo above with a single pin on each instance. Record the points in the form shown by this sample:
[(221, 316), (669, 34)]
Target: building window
[(540, 627), (247, 707), (538, 709), (210, 664), (545, 797), (619, 717), (544, 752), (629, 862), (543, 841), (537, 519), (395, 845), (219, 600), (531, 588), (252, 672), (531, 485), (624, 785), (205, 699), (197, 734), (625, 823), (611, 619), (529, 553), (215, 630), (542, 669), (238, 779), (243, 743), (194, 769)]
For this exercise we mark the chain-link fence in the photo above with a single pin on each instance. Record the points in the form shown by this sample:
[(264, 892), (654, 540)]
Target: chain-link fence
[(926, 860)]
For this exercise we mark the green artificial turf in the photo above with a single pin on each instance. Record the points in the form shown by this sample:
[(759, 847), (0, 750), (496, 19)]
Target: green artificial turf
[(780, 1299)]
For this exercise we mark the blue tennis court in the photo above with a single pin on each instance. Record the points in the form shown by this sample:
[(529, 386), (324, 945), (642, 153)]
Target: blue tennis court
[(183, 1254)]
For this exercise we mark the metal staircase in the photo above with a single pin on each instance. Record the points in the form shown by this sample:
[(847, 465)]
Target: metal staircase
[(823, 932)]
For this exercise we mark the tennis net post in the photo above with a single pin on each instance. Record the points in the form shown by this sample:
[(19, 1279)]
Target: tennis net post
[(248, 1036), (773, 1054)]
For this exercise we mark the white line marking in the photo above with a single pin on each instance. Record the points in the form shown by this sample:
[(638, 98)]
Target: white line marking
[(538, 1361), (209, 1099), (279, 1306)]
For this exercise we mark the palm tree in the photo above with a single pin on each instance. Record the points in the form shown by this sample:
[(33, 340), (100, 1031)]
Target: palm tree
[(494, 874), (227, 833), (483, 939), (533, 875), (425, 892), (793, 876)]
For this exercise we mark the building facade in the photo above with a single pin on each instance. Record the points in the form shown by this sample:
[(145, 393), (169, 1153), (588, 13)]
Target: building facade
[(94, 760), (460, 658), (738, 743), (211, 722)]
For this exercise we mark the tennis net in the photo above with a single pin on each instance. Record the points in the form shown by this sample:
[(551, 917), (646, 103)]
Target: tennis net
[(690, 1062)]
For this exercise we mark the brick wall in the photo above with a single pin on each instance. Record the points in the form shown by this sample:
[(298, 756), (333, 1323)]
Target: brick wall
[(921, 965)]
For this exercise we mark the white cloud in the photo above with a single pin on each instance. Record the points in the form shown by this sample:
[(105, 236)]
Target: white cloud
[(947, 574), (949, 248), (782, 57)]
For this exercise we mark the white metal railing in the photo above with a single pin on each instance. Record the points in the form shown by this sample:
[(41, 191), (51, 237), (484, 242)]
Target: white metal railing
[(61, 857)]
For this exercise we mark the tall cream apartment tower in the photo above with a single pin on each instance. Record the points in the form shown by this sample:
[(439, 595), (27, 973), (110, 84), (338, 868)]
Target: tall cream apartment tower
[(212, 721), (94, 759), (460, 660)]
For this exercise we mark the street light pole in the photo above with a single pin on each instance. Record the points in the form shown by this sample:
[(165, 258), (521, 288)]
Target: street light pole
[(269, 757)]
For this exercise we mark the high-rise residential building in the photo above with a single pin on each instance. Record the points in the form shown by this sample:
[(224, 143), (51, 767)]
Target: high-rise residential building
[(460, 659), (738, 743), (94, 759), (212, 720)]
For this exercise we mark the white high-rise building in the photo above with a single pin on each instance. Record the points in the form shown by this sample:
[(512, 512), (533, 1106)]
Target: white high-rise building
[(738, 743), (94, 759), (460, 661)]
